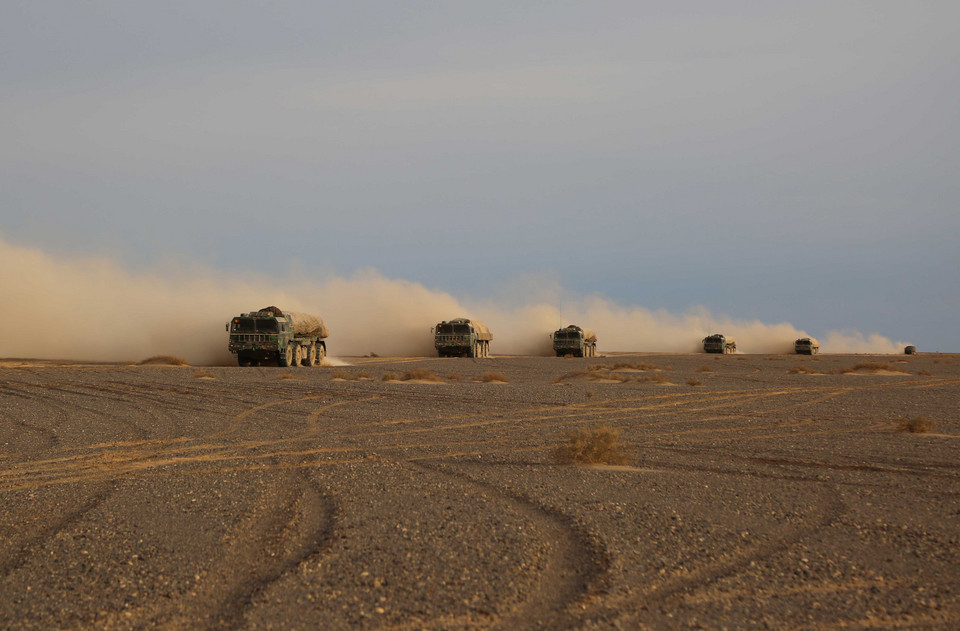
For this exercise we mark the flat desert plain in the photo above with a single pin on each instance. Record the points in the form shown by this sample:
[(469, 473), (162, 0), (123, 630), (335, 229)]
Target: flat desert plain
[(760, 492)]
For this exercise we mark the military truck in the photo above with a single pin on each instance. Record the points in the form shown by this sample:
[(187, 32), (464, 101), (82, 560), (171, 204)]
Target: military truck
[(806, 346), (717, 343), (271, 335), (909, 350), (462, 337), (572, 340)]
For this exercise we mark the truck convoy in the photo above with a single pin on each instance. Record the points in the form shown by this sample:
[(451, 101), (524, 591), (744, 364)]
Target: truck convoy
[(462, 337), (806, 346), (271, 335), (572, 340), (717, 343)]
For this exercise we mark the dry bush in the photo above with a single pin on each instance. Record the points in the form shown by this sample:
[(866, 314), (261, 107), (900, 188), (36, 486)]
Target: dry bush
[(339, 374), (200, 373), (420, 374), (652, 379), (669, 368), (388, 376), (493, 376), (693, 381), (704, 369), (364, 374), (924, 373), (917, 425), (867, 367), (589, 394), (804, 370), (597, 445), (164, 360), (596, 367), (454, 377)]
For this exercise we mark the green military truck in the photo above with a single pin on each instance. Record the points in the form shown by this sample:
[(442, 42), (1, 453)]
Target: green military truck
[(271, 335), (572, 340), (717, 343), (806, 346), (910, 350), (462, 337)]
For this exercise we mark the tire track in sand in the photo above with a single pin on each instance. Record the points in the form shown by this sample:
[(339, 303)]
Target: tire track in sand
[(575, 569)]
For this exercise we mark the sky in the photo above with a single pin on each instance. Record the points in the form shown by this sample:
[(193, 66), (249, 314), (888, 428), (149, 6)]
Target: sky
[(781, 162)]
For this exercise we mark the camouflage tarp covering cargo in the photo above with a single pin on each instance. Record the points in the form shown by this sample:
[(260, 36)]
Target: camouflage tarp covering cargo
[(481, 330), (304, 324)]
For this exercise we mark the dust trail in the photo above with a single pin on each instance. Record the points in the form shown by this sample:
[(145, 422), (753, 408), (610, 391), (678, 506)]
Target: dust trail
[(92, 309)]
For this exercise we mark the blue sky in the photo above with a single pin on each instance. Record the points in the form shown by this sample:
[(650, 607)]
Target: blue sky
[(781, 161)]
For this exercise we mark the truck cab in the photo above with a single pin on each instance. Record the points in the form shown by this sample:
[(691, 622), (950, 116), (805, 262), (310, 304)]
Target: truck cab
[(806, 346), (718, 343), (462, 337), (575, 341)]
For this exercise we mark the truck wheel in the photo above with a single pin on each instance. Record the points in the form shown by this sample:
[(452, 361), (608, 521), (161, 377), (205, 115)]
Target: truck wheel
[(285, 357), (243, 360), (308, 355), (297, 355)]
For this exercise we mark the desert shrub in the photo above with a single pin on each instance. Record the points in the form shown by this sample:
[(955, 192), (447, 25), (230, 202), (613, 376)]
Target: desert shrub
[(364, 374), (340, 373), (596, 367), (652, 379), (693, 381), (388, 376), (867, 367), (669, 368), (704, 369), (924, 373), (493, 376), (801, 369), (454, 377), (420, 374), (597, 445), (917, 425), (164, 360), (589, 394), (200, 373)]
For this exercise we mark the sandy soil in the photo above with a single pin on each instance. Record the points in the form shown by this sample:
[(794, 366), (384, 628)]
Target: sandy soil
[(140, 496)]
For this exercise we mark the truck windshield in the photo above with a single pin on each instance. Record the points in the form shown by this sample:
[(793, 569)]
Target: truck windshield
[(449, 329), (267, 326), (243, 325)]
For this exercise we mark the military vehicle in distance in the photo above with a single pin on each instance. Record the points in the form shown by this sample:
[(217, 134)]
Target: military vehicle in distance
[(806, 346), (572, 340), (717, 343), (271, 335), (909, 350), (462, 337)]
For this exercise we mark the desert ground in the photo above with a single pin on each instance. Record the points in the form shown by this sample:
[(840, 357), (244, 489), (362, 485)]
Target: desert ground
[(761, 491)]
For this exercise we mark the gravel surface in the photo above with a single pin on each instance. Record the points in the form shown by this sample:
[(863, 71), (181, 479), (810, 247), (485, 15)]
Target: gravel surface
[(762, 492)]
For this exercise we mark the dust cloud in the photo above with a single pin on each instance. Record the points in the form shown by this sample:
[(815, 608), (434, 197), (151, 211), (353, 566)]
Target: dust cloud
[(92, 309)]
